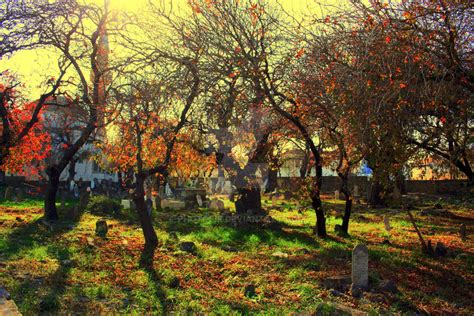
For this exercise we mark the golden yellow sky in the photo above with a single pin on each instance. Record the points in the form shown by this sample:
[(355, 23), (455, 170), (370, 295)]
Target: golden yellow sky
[(35, 66)]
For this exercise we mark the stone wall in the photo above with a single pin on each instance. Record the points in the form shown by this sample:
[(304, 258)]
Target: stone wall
[(331, 184), (435, 187)]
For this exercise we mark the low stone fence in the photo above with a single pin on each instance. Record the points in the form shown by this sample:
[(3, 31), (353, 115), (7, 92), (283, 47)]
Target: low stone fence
[(332, 183)]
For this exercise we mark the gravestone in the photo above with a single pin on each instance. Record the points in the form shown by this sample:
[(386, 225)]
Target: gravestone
[(8, 193), (396, 195), (336, 195), (199, 200), (227, 189), (274, 200), (386, 221), (18, 195), (462, 232), (356, 191), (157, 202), (168, 191), (161, 191), (83, 200), (216, 205), (101, 228), (211, 185), (74, 211), (360, 267), (128, 204), (173, 204)]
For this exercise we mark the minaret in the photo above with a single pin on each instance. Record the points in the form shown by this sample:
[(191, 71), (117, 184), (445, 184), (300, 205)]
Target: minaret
[(102, 61)]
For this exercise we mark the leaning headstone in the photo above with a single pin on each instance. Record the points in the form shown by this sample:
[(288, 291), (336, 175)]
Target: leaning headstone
[(360, 267), (101, 228), (336, 195), (216, 205), (386, 222), (8, 193), (199, 200), (462, 232)]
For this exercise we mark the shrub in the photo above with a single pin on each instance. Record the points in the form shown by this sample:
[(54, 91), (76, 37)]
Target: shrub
[(101, 204)]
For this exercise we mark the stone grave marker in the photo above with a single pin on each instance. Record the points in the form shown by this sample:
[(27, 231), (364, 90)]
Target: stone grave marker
[(157, 202), (227, 188), (8, 193), (18, 195), (360, 267), (462, 232), (386, 222), (173, 204), (396, 195), (216, 205), (161, 191), (101, 228), (199, 200), (336, 195), (128, 204), (274, 200), (356, 191)]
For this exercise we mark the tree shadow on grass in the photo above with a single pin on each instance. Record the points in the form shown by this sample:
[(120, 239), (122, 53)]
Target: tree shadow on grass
[(32, 236), (38, 232), (208, 227), (146, 263), (54, 285)]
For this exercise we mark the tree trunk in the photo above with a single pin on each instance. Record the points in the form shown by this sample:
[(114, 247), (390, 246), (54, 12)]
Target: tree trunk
[(151, 240), (304, 165), (120, 180), (50, 211), (272, 180), (71, 171), (348, 207), (400, 182), (375, 195), (249, 202), (466, 169), (320, 228)]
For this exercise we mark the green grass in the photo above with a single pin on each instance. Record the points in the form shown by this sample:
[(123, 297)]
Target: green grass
[(55, 270)]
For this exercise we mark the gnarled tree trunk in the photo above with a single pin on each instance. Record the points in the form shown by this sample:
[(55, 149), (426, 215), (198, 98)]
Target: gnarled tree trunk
[(320, 228), (348, 206), (51, 213), (151, 240), (272, 180)]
